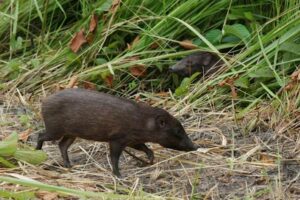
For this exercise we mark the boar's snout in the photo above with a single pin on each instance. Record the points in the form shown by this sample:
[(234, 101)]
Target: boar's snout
[(176, 68), (188, 145), (170, 133), (183, 145), (173, 135), (171, 69)]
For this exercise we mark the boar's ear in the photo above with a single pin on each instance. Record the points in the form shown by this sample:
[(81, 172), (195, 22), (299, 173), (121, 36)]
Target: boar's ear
[(161, 121), (207, 59)]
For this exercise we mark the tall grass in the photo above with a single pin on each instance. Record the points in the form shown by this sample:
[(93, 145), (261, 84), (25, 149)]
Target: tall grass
[(262, 45)]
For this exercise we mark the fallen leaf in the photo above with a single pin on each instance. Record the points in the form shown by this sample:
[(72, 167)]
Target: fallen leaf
[(44, 195), (59, 87), (132, 58), (163, 94), (134, 42), (225, 179), (229, 82), (90, 38), (151, 101), (89, 85), (109, 80), (73, 81), (296, 75), (222, 83), (23, 136), (187, 44), (77, 41), (115, 5), (210, 88), (93, 23), (261, 180), (289, 86), (267, 159), (154, 45), (137, 98), (138, 71), (233, 92)]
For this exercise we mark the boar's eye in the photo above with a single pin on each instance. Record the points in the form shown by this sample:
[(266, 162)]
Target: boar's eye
[(161, 122)]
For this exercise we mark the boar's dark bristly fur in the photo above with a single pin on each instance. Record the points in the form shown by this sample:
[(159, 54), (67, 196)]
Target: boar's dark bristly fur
[(121, 122), (204, 62)]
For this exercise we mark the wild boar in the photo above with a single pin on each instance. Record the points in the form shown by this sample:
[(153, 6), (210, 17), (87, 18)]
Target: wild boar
[(121, 122), (204, 62)]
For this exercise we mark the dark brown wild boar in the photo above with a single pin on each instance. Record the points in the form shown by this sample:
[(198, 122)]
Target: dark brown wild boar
[(121, 122), (204, 62)]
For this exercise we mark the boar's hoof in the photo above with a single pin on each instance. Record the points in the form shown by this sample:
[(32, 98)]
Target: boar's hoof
[(117, 174), (151, 160), (67, 165)]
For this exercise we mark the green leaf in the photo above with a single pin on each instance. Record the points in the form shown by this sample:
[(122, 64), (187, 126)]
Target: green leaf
[(16, 44), (20, 195), (231, 39), (249, 16), (194, 76), (132, 85), (185, 84), (242, 82), (31, 156), (104, 7), (100, 61), (183, 88), (239, 31), (6, 163), (290, 47), (214, 36), (9, 145), (24, 120), (35, 63), (240, 13), (265, 72), (62, 190), (104, 74)]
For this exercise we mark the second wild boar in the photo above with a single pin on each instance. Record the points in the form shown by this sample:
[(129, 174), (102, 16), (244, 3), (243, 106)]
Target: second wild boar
[(204, 62), (121, 122)]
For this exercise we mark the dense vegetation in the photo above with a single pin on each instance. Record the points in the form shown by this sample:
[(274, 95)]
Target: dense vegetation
[(125, 47)]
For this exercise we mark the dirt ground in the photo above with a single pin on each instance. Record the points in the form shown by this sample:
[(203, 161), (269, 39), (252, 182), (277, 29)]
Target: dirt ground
[(233, 164)]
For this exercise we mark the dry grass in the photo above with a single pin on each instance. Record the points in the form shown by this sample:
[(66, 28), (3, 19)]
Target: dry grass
[(234, 163)]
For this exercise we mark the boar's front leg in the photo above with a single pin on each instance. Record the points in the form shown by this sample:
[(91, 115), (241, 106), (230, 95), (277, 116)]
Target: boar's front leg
[(144, 148), (115, 151)]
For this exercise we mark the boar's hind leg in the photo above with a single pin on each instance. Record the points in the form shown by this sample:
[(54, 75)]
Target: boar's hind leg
[(144, 148), (64, 144), (115, 152), (45, 136)]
